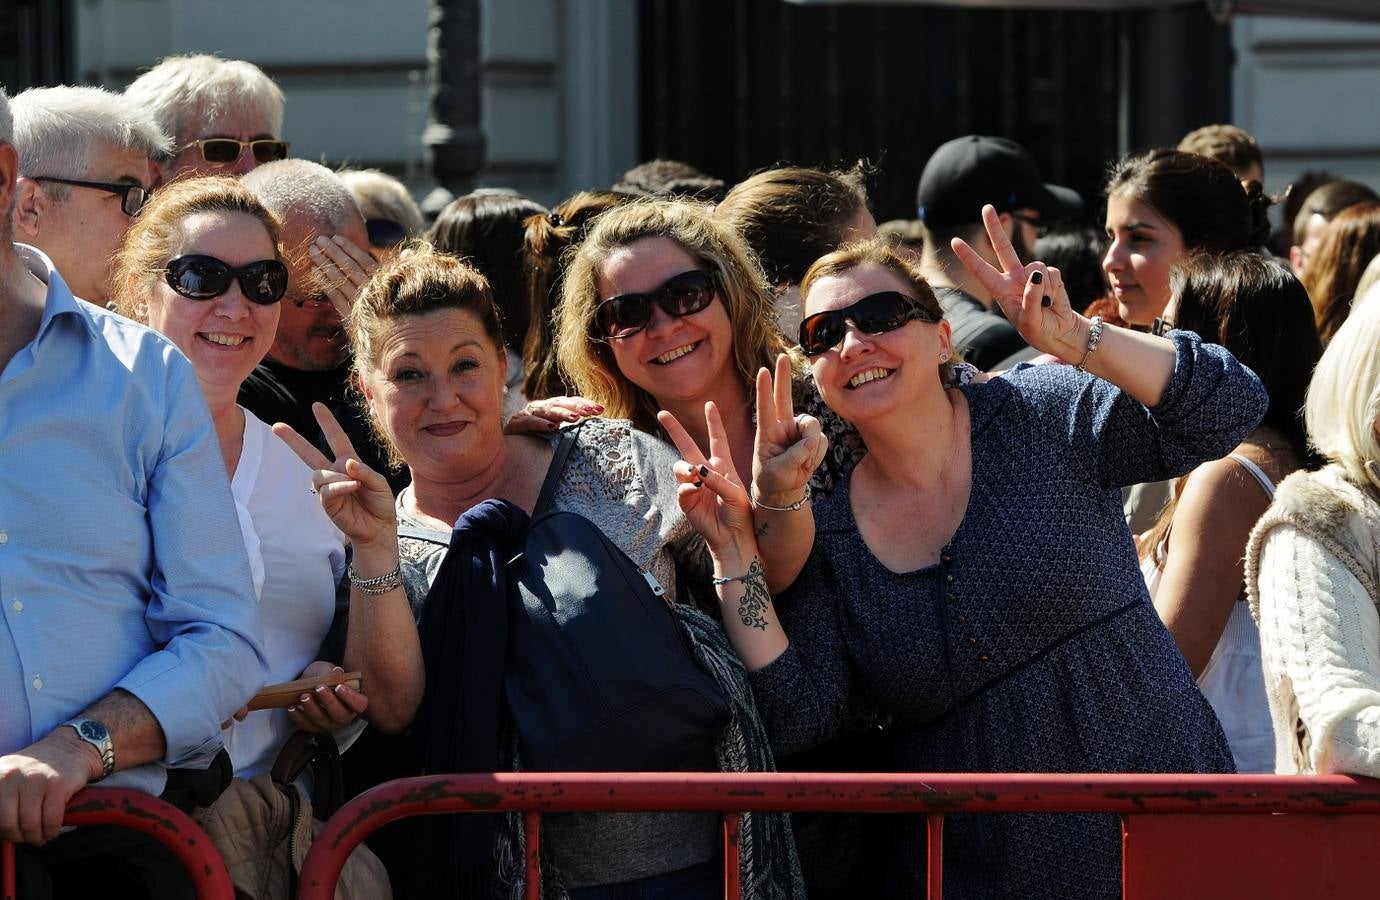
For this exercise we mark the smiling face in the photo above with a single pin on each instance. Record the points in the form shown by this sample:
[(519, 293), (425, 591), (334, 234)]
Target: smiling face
[(227, 336), (866, 376), (436, 390), (675, 359), (1143, 248)]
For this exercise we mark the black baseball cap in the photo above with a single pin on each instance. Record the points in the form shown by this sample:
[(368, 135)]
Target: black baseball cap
[(967, 172)]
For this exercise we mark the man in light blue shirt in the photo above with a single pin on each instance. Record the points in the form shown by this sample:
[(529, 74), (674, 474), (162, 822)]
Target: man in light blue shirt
[(128, 625)]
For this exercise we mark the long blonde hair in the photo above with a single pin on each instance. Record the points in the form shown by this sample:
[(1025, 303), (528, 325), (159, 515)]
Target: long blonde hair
[(585, 356)]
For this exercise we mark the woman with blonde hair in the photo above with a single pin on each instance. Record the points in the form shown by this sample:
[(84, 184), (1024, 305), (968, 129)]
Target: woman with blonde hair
[(203, 265), (1312, 575)]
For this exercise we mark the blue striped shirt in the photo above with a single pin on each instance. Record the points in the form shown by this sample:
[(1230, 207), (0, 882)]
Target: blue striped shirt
[(121, 560)]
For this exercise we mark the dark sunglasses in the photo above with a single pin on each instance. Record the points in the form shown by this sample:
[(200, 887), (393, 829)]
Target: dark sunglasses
[(199, 277), (226, 150), (873, 314), (682, 295), (132, 196), (384, 233)]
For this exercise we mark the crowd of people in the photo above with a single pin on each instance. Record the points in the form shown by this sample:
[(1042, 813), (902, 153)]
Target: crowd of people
[(982, 491)]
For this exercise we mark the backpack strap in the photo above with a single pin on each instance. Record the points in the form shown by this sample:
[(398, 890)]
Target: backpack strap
[(553, 474)]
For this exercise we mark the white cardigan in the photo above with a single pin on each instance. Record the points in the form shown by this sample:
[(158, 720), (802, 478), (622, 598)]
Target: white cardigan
[(1311, 574)]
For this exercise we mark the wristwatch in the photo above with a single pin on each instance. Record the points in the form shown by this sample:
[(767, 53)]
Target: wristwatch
[(98, 736)]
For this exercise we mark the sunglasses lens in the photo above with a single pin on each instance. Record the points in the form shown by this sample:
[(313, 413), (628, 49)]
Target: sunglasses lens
[(686, 294), (268, 151), (820, 332), (264, 282), (384, 233), (220, 150), (880, 312), (198, 277), (623, 316)]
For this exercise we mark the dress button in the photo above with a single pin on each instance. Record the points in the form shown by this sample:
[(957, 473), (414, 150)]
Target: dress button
[(962, 619), (949, 578), (972, 642), (38, 683), (947, 558), (982, 658), (18, 606), (952, 598)]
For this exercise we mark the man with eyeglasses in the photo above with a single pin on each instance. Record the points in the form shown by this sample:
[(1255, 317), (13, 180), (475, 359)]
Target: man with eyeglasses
[(129, 628), (962, 176), (225, 115), (87, 159)]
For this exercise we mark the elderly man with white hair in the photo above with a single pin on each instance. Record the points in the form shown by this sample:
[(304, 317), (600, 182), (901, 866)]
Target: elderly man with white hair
[(328, 260), (86, 162), (128, 623), (225, 115)]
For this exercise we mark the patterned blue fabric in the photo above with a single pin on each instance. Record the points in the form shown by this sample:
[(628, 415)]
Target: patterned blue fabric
[(1032, 646)]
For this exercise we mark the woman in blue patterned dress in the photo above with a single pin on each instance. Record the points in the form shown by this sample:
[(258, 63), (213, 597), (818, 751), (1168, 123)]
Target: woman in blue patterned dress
[(973, 576)]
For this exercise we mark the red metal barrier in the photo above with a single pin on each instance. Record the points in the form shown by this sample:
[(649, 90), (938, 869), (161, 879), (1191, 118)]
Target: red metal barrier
[(141, 812), (1172, 824)]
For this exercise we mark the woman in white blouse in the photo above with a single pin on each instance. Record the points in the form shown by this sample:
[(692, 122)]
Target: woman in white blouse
[(203, 265), (1312, 570)]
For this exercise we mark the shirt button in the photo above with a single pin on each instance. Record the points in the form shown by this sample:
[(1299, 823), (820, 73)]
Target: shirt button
[(972, 642), (18, 606), (949, 578), (982, 658), (4, 538), (947, 557), (38, 683)]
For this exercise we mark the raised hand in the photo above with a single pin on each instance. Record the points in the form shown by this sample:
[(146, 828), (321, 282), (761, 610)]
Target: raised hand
[(343, 267), (711, 494), (1031, 295), (788, 448), (357, 499)]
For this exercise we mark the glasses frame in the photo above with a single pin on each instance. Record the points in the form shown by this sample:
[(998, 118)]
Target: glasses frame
[(258, 269), (251, 144), (663, 296), (910, 311), (126, 190), (1039, 224), (385, 233)]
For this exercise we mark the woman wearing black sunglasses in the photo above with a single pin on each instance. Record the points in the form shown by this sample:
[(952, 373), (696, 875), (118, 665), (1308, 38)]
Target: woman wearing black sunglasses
[(973, 577), (203, 265)]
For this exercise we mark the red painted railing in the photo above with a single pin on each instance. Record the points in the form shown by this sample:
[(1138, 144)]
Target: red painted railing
[(1183, 835), (141, 812)]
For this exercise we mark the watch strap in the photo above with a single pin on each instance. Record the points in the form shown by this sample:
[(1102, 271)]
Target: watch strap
[(98, 736)]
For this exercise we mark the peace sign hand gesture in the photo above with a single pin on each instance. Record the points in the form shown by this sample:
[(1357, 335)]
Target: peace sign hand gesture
[(357, 499), (788, 447), (711, 494), (1032, 296)]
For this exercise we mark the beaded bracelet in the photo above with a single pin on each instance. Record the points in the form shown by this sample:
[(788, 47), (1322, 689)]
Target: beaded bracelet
[(380, 585), (1094, 336), (794, 507)]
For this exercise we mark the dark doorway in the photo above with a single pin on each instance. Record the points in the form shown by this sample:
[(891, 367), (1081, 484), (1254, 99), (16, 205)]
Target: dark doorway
[(733, 86)]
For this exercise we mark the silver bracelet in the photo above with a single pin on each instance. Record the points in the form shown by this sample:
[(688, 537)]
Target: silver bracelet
[(754, 571), (794, 507), (1094, 336), (380, 585)]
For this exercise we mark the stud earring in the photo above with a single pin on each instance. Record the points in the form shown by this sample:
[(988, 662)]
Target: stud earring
[(943, 357)]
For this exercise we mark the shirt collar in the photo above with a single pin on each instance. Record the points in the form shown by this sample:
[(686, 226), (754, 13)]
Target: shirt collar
[(60, 301)]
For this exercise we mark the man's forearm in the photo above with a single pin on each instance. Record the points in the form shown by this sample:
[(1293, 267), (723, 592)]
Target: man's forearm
[(134, 732)]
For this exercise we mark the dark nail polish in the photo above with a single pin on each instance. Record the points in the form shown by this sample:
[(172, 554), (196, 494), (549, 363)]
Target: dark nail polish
[(1045, 302), (697, 483), (704, 471), (1037, 277)]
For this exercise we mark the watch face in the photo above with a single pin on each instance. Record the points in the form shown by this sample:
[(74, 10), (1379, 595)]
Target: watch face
[(93, 731)]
